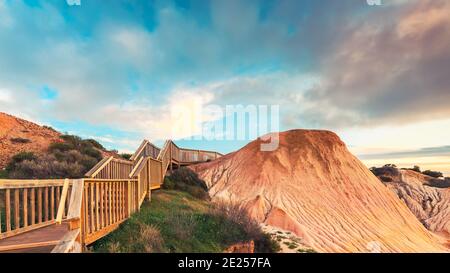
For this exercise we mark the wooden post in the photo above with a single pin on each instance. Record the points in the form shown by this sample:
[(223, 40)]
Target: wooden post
[(149, 178), (62, 202), (8, 209), (75, 214), (129, 198), (139, 188)]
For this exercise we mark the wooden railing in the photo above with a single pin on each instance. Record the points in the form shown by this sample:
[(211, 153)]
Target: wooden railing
[(157, 173), (165, 157), (106, 204), (190, 155), (96, 205), (147, 149), (26, 205), (111, 168)]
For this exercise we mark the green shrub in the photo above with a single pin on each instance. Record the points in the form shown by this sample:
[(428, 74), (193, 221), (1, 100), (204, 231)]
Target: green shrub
[(92, 153), (95, 144), (188, 177), (387, 170), (61, 146), (235, 215), (439, 183), (69, 159), (18, 158), (264, 243), (385, 178), (306, 250), (184, 179), (20, 140), (126, 156), (49, 128), (434, 174), (168, 184), (3, 174)]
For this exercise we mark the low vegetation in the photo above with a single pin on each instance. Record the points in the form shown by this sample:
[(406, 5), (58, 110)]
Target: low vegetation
[(185, 179), (177, 222), (126, 156), (72, 157), (20, 140), (388, 171), (440, 183), (434, 174)]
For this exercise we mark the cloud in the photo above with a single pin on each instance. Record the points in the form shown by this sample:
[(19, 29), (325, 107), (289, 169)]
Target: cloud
[(392, 69), (5, 96), (424, 152), (126, 64)]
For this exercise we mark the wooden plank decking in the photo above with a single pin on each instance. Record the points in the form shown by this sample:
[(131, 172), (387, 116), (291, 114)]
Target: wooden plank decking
[(41, 240)]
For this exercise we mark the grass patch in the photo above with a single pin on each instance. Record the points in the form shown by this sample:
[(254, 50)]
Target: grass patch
[(307, 250), (177, 222)]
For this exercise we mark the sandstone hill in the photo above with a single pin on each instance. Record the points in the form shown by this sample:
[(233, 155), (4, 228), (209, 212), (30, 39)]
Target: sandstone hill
[(430, 204), (18, 135), (313, 186)]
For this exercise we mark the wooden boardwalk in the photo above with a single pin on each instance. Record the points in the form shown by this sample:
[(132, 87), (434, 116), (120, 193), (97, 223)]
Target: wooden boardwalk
[(66, 215), (41, 240)]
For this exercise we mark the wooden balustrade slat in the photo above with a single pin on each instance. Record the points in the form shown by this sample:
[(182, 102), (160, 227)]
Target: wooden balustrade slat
[(46, 204), (39, 205), (91, 206), (105, 205), (122, 200), (25, 207), (119, 214), (97, 219), (119, 200), (33, 206), (69, 195), (52, 203), (86, 210), (8, 209), (100, 205), (58, 197), (16, 209)]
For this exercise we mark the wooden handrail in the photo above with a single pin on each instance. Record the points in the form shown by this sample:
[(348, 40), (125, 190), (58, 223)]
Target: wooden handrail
[(99, 166), (139, 150), (136, 167)]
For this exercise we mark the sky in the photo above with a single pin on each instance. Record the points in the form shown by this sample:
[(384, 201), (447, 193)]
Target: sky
[(377, 75)]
